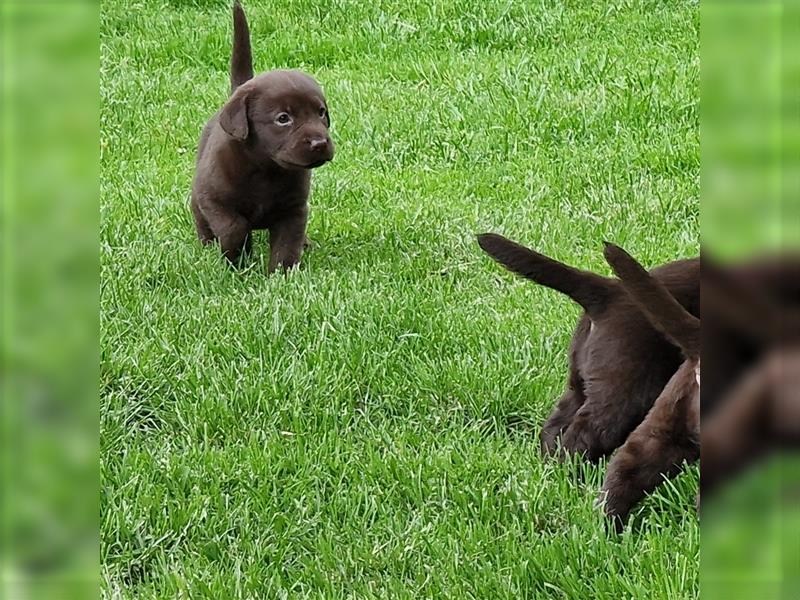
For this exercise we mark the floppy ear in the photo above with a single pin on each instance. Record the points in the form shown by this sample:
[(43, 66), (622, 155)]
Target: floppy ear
[(233, 117)]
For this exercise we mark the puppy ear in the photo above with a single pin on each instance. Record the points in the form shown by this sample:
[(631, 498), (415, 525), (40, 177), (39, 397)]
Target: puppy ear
[(233, 117)]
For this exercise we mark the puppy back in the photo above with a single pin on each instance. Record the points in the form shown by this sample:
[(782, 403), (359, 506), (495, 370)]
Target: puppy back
[(663, 311)]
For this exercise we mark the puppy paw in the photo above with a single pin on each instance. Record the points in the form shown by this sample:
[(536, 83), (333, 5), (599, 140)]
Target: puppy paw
[(582, 440), (616, 516)]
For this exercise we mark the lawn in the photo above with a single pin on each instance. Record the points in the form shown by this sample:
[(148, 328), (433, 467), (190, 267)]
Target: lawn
[(366, 427)]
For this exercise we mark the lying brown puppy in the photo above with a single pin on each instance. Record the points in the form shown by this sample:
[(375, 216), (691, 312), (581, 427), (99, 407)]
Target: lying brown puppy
[(669, 435), (619, 362), (255, 157)]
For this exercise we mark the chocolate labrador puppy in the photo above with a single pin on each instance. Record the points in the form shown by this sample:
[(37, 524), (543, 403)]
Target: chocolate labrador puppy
[(669, 436), (750, 307), (619, 362), (255, 158)]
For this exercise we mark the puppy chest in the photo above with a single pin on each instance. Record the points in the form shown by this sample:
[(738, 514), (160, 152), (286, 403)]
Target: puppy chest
[(266, 204)]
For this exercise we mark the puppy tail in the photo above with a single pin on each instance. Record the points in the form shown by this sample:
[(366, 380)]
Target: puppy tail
[(590, 290), (241, 57), (654, 300)]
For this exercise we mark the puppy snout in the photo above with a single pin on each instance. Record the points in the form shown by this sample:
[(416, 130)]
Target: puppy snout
[(318, 149), (319, 144)]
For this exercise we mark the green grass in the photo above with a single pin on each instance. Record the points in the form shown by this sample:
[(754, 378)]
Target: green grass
[(366, 427)]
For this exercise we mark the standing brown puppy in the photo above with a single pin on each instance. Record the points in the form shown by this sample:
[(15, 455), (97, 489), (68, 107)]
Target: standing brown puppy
[(255, 158)]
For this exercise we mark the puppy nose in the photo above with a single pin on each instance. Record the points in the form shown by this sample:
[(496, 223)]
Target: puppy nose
[(318, 144)]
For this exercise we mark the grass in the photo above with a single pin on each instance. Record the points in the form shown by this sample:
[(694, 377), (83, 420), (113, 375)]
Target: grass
[(366, 427)]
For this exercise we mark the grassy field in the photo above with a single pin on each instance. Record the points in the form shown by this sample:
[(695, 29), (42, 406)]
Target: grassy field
[(366, 427)]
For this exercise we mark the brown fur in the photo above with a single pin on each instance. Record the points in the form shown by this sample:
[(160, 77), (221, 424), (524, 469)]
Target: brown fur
[(619, 362), (754, 308), (747, 311), (253, 168), (669, 435), (751, 330), (759, 415)]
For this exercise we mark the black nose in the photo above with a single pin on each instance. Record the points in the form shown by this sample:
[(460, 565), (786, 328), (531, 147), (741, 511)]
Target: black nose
[(318, 144)]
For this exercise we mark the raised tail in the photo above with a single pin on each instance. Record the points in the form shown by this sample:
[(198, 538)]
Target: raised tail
[(588, 289), (241, 57), (662, 310)]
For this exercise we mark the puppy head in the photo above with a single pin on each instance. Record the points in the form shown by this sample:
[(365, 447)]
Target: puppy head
[(281, 117)]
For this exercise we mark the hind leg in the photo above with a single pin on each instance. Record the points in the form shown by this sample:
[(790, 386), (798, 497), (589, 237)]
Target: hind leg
[(621, 386), (574, 396), (604, 421), (655, 451), (204, 233), (560, 419), (585, 436)]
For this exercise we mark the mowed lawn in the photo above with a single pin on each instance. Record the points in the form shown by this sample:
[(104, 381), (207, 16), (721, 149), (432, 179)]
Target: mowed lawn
[(367, 427)]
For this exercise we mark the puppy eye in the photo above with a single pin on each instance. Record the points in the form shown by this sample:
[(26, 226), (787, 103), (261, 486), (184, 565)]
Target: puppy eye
[(283, 119), (322, 112)]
